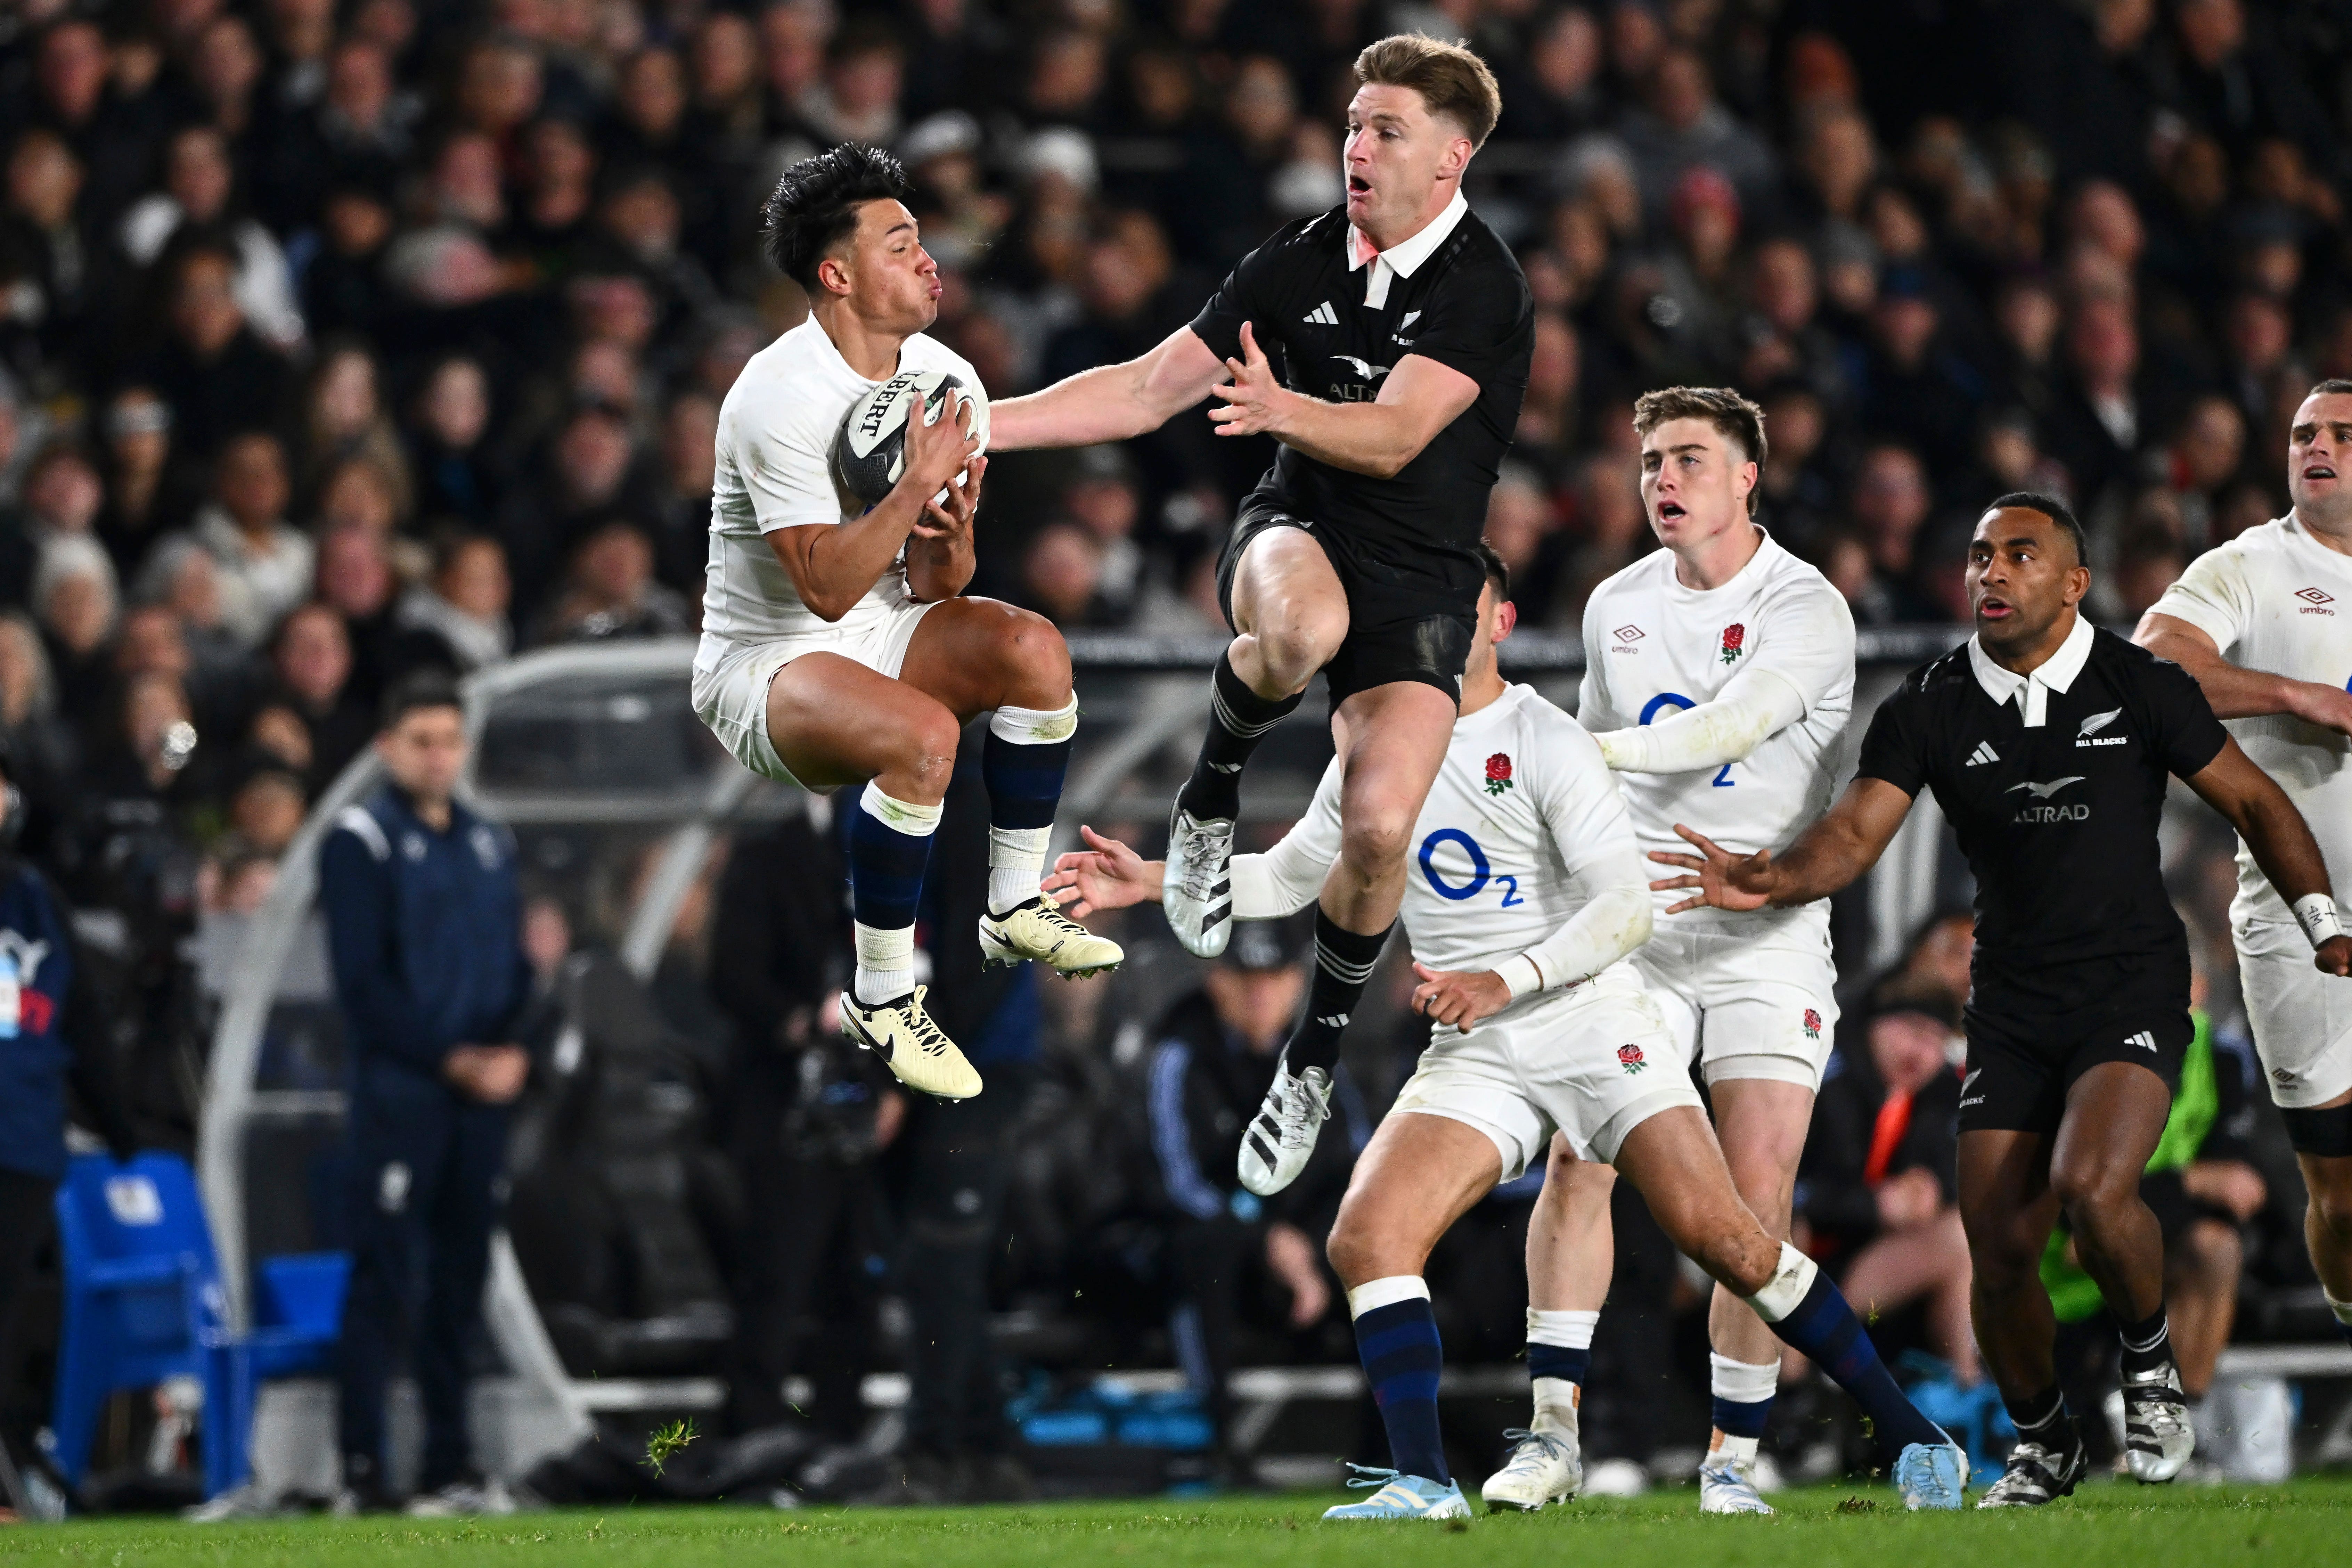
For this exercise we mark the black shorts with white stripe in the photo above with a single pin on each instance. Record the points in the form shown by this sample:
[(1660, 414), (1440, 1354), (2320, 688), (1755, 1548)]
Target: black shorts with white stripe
[(2030, 1038)]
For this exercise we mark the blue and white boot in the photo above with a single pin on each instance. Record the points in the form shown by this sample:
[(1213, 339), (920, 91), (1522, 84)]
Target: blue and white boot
[(1932, 1475), (1729, 1484), (1401, 1497)]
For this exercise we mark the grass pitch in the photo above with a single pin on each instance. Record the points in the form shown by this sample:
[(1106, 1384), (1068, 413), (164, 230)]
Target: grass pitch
[(2129, 1526)]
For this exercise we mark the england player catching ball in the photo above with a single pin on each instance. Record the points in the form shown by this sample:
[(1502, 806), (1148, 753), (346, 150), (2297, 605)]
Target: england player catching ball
[(836, 649), (1526, 890)]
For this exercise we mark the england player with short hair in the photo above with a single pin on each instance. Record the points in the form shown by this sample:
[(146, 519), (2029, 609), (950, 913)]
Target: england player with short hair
[(1403, 330), (836, 647), (2265, 625), (2049, 745), (1719, 680), (1528, 890)]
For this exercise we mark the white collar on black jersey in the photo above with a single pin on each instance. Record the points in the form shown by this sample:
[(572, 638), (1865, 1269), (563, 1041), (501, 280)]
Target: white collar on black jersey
[(2055, 673), (1404, 258)]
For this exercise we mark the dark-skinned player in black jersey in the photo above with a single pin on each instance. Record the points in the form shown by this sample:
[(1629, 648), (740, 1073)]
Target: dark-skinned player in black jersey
[(1384, 345), (2048, 743)]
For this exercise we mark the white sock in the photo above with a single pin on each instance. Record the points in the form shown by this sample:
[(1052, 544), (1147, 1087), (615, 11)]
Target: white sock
[(2343, 1310), (1386, 1291), (885, 963), (1785, 1291), (1016, 864), (1569, 1331), (1741, 1382), (1556, 1400)]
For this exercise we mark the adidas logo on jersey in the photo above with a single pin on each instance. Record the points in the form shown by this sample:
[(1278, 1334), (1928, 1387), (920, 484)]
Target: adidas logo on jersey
[(1983, 753), (1322, 316), (2144, 1040)]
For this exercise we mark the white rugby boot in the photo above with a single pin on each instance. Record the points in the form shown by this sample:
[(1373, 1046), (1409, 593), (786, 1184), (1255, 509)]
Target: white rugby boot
[(1542, 1468), (1281, 1137), (2158, 1439), (916, 1049), (1197, 887), (1727, 1484), (2037, 1476), (1039, 929)]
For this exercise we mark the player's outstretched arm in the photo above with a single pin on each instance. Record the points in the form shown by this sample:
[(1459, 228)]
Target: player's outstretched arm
[(1112, 402), (2236, 692), (1615, 918), (1417, 399), (833, 565), (1827, 855), (1754, 706), (2282, 844)]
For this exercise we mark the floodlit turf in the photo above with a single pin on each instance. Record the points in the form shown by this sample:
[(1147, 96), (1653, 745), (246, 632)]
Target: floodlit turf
[(2309, 1522)]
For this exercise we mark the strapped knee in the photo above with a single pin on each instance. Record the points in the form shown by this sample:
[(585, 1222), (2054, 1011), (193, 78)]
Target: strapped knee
[(2324, 1134)]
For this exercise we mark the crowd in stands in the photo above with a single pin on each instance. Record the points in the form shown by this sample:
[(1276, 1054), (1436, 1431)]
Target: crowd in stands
[(343, 338)]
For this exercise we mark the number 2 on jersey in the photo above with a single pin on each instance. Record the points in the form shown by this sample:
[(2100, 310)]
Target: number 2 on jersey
[(1680, 704)]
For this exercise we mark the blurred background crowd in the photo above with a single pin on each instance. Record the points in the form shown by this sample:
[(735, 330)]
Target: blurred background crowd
[(343, 338)]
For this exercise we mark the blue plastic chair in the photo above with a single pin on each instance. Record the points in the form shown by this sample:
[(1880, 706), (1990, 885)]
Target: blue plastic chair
[(297, 1312), (144, 1303)]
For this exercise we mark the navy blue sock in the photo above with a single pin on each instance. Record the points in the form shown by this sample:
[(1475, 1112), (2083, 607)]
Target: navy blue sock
[(889, 842), (1825, 1328), (1737, 1418), (1559, 1362), (1402, 1355), (1027, 754)]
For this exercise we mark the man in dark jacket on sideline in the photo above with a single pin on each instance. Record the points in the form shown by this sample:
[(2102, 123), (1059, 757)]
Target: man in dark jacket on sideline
[(1215, 1057), (424, 922)]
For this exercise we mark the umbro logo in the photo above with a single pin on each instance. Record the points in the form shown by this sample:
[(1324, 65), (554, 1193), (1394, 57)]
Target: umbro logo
[(2314, 599), (1628, 634), (1323, 315), (2144, 1040), (1983, 753)]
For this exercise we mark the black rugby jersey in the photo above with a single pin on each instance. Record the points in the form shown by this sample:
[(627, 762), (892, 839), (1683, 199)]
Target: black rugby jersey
[(1466, 306), (2058, 821)]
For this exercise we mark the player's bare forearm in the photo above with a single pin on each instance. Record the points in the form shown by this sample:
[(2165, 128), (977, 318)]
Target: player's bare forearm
[(1417, 399), (1826, 857), (2234, 692), (1110, 403), (2274, 831), (1370, 439), (835, 566)]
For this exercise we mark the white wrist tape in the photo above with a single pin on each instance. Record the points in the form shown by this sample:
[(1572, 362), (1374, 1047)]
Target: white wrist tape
[(2315, 912)]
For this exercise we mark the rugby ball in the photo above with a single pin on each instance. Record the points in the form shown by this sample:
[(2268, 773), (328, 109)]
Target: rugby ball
[(870, 452)]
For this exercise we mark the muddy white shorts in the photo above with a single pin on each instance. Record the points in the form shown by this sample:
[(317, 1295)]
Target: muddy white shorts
[(2302, 1018), (731, 699), (1759, 1002), (1594, 1062)]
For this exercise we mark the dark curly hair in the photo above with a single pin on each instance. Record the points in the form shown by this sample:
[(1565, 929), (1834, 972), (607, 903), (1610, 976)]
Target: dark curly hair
[(815, 206)]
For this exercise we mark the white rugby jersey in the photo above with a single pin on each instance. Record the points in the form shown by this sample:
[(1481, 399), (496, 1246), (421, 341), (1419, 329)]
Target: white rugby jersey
[(2276, 599), (776, 431), (1522, 803), (1654, 647)]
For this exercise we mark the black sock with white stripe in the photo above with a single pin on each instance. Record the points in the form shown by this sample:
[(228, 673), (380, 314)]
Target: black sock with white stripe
[(1343, 963), (1238, 719), (2147, 1345)]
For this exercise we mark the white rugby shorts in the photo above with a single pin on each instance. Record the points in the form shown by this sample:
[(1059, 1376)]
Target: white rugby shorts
[(732, 698), (1755, 1003), (2302, 1018), (1593, 1062)]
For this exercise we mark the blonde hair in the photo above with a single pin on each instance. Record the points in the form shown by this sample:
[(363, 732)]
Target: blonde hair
[(1451, 81), (1735, 419)]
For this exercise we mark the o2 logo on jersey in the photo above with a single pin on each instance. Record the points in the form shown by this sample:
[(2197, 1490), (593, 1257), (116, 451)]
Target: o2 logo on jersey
[(1481, 873), (1682, 704)]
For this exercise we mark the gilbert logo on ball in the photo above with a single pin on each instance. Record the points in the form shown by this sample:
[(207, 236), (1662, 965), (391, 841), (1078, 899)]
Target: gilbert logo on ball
[(870, 452)]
